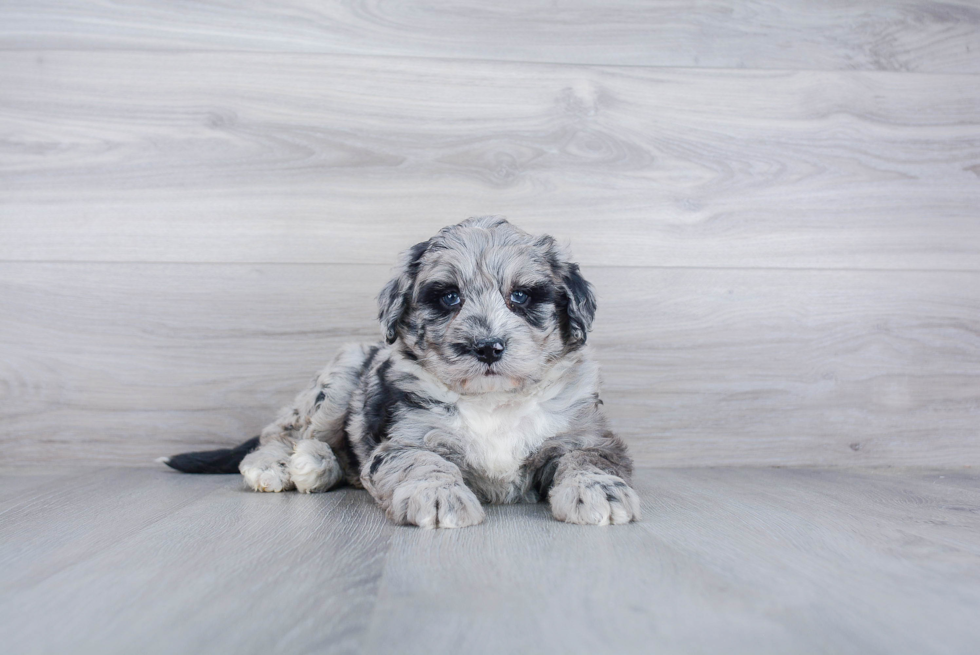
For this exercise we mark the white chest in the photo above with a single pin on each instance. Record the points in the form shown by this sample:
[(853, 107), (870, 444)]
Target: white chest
[(498, 436)]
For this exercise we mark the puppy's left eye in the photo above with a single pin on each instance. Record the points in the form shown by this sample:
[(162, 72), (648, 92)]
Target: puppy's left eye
[(518, 297), (450, 299)]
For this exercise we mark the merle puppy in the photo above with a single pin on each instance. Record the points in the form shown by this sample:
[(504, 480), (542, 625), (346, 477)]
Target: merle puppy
[(482, 392)]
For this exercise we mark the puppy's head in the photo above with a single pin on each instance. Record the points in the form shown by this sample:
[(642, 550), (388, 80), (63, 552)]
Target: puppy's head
[(484, 306)]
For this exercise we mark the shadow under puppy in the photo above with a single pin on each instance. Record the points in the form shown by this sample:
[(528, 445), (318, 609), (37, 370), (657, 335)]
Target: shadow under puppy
[(483, 392)]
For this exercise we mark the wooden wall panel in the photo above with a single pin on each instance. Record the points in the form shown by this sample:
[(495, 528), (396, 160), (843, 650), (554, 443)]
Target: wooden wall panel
[(777, 200), (927, 36), (121, 363), (225, 157)]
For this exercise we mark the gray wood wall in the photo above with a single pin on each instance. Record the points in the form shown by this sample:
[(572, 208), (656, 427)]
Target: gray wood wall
[(778, 201)]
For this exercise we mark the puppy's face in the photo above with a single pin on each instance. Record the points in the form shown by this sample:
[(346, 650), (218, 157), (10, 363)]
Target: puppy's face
[(486, 307)]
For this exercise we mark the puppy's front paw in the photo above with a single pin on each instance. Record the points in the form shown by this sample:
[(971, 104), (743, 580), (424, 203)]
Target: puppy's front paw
[(435, 504), (594, 499), (265, 469)]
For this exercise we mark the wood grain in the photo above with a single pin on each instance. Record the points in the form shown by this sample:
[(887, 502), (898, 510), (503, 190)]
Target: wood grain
[(225, 570), (198, 204), (52, 528), (122, 363), (725, 560), (922, 35), (714, 548), (229, 157)]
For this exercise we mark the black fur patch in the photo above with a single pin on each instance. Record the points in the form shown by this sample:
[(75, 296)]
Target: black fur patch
[(580, 316), (345, 450), (415, 257), (384, 401), (379, 406), (545, 465), (431, 296), (564, 322), (376, 463), (538, 308), (399, 295), (349, 461)]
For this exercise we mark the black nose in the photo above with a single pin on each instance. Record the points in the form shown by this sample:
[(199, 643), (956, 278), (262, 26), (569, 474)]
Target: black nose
[(489, 350)]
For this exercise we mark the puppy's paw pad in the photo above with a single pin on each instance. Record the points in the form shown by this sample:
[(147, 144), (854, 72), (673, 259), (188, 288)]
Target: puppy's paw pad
[(594, 499), (436, 504), (313, 467)]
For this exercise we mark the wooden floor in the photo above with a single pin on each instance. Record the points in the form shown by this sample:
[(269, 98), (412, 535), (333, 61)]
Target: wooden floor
[(725, 560)]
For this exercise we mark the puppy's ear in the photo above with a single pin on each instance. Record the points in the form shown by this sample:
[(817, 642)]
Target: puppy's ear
[(581, 305), (395, 297), (576, 300)]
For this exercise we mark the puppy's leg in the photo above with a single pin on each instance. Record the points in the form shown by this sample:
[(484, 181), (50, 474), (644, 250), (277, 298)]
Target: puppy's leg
[(309, 466), (418, 487), (267, 467), (590, 485), (295, 451)]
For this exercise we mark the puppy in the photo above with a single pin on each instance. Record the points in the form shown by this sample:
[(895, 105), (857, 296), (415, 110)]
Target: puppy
[(482, 392)]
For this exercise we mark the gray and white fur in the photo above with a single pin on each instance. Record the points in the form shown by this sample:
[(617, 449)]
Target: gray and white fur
[(483, 391)]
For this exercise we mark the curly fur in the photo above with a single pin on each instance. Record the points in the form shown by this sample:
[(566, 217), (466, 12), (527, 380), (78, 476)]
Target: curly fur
[(432, 423)]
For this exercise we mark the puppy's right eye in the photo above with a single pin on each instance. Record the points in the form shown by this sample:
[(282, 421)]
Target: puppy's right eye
[(450, 299)]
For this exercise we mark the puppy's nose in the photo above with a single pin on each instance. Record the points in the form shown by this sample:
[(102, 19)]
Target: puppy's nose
[(489, 350)]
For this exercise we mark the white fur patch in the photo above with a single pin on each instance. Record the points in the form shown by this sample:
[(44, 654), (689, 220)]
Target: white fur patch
[(313, 467), (435, 504), (499, 432), (594, 499), (264, 469)]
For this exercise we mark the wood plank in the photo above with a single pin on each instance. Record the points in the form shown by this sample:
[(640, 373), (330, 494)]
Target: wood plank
[(901, 36), (724, 560), (793, 367), (735, 561), (230, 157), (22, 482), (55, 527), (122, 363), (229, 571)]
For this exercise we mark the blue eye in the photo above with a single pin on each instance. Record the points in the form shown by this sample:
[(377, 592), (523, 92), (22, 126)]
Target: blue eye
[(518, 297), (450, 299)]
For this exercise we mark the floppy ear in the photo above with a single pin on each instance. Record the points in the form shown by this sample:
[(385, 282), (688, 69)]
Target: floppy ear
[(395, 297), (576, 301), (580, 305)]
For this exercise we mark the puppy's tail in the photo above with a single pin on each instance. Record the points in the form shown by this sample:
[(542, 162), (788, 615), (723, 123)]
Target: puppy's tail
[(225, 460)]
